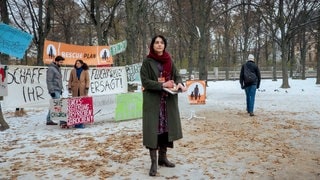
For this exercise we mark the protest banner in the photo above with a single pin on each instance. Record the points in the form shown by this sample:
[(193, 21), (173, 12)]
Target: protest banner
[(92, 55), (13, 41), (27, 84), (80, 110), (118, 48), (108, 80), (133, 73)]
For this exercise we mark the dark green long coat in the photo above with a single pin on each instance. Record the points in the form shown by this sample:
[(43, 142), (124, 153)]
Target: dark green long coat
[(149, 74)]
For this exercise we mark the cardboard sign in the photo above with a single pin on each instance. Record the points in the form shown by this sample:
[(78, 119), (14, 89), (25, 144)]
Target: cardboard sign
[(59, 109), (80, 110), (196, 91)]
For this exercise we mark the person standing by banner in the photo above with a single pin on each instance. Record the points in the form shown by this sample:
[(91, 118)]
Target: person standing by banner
[(161, 117), (79, 81), (54, 83)]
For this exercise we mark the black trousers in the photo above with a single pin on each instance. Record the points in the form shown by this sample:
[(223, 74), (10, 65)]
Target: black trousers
[(163, 141)]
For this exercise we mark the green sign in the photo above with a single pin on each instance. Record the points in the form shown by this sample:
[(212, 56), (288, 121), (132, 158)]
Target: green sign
[(129, 106), (118, 48)]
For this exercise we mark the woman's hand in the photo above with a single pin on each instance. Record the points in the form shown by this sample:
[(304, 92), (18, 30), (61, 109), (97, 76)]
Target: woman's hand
[(183, 88), (168, 84)]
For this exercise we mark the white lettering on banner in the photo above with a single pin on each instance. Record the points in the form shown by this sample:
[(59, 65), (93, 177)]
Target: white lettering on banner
[(79, 110), (72, 55)]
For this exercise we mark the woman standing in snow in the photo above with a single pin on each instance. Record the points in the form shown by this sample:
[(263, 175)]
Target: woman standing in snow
[(79, 81), (161, 117)]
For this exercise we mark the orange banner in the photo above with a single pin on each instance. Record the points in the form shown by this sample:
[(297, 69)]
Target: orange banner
[(92, 55)]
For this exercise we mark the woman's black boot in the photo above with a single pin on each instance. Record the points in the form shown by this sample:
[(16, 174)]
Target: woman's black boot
[(153, 168), (163, 161)]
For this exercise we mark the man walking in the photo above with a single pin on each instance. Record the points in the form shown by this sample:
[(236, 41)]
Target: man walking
[(250, 81)]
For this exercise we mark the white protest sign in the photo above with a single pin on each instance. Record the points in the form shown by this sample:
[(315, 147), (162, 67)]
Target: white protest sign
[(27, 84)]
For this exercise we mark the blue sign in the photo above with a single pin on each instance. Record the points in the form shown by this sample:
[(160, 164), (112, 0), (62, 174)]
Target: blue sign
[(13, 42)]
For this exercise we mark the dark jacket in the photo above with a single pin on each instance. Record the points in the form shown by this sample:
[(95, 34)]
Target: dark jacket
[(54, 78), (80, 85), (151, 104), (253, 68)]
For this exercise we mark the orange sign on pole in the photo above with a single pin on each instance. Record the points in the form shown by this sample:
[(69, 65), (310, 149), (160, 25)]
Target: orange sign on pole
[(92, 55), (196, 91)]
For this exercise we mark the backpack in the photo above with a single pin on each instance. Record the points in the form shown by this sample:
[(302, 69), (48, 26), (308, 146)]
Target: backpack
[(249, 77)]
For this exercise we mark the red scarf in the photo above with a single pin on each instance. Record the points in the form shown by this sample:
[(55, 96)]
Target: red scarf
[(165, 60)]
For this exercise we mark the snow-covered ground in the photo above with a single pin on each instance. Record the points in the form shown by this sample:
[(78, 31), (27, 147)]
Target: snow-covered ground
[(280, 142)]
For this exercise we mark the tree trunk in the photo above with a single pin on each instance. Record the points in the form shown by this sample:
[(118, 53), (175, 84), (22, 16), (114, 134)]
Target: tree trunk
[(3, 123), (318, 55), (303, 54), (226, 40), (131, 30), (291, 56), (203, 46), (258, 45), (3, 58), (204, 41), (284, 60), (44, 28), (284, 47), (191, 48), (190, 58), (274, 61), (245, 22)]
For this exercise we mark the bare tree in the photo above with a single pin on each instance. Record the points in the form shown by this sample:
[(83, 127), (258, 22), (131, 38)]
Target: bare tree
[(102, 14), (132, 29), (66, 22), (287, 27), (204, 8), (185, 15)]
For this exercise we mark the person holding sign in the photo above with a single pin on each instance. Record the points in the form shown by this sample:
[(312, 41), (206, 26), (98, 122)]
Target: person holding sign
[(54, 82), (161, 117), (79, 81)]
